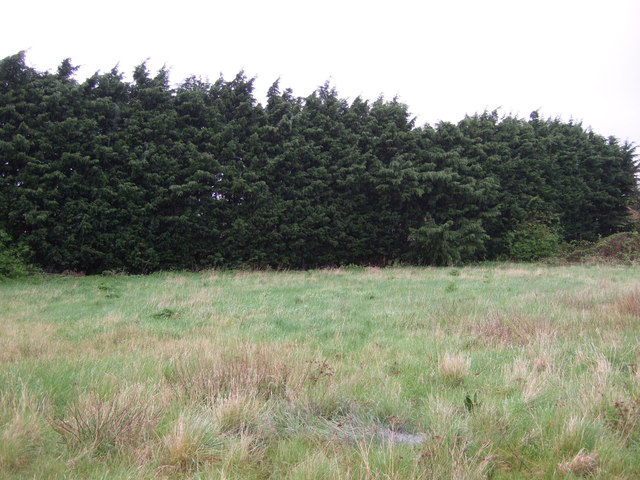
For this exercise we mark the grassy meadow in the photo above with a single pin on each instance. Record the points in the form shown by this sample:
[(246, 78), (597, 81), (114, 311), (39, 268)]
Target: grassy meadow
[(485, 372)]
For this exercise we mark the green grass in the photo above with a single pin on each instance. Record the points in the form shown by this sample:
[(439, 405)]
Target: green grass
[(498, 371)]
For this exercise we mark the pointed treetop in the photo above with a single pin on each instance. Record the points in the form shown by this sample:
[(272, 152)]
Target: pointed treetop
[(66, 69)]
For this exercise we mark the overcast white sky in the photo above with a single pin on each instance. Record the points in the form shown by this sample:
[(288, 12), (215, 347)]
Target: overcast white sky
[(575, 59)]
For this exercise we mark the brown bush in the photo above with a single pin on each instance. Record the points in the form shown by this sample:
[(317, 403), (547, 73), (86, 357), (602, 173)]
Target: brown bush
[(617, 248)]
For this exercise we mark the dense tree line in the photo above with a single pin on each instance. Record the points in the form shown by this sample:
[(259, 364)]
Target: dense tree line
[(139, 175)]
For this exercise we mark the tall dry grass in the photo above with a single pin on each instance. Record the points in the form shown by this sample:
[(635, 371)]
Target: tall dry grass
[(23, 428), (101, 426)]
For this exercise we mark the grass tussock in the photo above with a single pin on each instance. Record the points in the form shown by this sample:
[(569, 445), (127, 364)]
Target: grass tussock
[(453, 368), (101, 426), (247, 370), (191, 444), (242, 413)]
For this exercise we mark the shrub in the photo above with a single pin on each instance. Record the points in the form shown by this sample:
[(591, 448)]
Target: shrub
[(532, 241), (12, 263), (621, 247)]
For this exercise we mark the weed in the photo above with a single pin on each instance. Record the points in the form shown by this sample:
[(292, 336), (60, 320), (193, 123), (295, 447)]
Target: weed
[(109, 290), (534, 387), (318, 370), (353, 268), (317, 466), (624, 418), (471, 403), (163, 314)]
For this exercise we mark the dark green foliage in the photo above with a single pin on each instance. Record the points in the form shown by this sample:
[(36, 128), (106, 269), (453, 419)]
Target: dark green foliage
[(12, 258), (110, 175), (444, 244), (532, 240), (550, 169)]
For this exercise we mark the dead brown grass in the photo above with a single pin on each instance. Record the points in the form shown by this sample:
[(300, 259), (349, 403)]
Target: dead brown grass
[(254, 370), (629, 303), (512, 329), (582, 465), (453, 368)]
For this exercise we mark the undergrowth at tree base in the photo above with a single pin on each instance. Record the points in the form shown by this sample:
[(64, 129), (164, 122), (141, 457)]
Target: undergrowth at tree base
[(620, 248)]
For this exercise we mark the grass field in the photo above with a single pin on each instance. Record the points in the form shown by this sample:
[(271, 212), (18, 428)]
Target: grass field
[(497, 371)]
